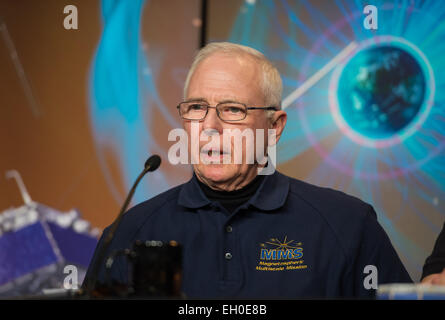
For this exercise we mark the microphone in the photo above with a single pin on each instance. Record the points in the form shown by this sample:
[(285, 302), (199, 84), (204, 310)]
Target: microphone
[(150, 165)]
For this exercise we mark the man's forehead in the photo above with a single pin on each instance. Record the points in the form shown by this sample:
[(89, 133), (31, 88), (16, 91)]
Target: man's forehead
[(240, 59), (218, 98), (225, 77)]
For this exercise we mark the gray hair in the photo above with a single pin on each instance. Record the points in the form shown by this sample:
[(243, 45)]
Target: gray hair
[(271, 83)]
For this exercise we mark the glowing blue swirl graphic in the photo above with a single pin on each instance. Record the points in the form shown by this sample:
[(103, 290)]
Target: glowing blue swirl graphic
[(377, 121), (122, 93)]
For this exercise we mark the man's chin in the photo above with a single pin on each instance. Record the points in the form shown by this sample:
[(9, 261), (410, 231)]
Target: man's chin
[(216, 173)]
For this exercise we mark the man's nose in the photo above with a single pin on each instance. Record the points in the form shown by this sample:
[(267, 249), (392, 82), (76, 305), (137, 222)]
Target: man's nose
[(212, 121)]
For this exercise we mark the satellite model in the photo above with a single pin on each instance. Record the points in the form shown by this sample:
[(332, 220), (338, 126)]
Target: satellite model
[(41, 248)]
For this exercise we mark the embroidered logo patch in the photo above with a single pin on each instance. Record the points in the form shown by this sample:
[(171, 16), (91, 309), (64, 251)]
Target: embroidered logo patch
[(276, 255)]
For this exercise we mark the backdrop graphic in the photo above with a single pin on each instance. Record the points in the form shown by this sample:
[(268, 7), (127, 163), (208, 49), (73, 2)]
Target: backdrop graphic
[(125, 103), (373, 126), (376, 123)]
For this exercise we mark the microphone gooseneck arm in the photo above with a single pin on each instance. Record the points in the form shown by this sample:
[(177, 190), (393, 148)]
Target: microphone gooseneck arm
[(150, 165), (116, 223)]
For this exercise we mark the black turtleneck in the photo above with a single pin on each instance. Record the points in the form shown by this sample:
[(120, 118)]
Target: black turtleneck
[(232, 199)]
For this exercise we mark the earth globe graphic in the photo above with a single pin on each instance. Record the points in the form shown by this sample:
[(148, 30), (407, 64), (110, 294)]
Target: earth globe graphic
[(381, 93)]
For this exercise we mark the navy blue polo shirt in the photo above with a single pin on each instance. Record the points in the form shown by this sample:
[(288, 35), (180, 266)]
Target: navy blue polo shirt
[(290, 240)]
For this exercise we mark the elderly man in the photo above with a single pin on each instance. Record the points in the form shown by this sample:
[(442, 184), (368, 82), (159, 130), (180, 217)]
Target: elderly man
[(251, 235)]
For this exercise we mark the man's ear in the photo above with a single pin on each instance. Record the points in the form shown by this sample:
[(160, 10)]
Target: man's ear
[(278, 122)]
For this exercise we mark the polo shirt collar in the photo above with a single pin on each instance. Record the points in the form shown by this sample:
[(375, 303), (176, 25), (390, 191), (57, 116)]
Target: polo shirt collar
[(271, 194)]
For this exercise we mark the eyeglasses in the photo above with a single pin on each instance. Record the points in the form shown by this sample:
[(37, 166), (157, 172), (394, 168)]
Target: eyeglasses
[(226, 111)]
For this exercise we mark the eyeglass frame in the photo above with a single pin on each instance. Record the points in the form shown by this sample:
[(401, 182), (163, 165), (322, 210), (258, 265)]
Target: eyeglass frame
[(217, 112)]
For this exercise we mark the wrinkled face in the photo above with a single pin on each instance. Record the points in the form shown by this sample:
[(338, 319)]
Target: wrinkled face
[(221, 78)]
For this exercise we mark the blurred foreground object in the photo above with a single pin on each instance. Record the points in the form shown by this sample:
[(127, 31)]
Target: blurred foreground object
[(403, 291), (155, 273), (157, 269), (37, 243)]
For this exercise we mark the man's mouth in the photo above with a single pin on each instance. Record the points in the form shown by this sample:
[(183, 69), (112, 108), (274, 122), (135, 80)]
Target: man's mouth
[(213, 154), (211, 151)]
